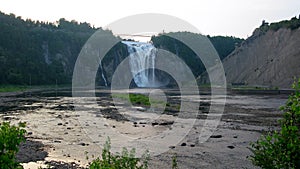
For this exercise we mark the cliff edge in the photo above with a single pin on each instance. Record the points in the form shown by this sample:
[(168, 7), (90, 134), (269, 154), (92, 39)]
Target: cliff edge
[(270, 58)]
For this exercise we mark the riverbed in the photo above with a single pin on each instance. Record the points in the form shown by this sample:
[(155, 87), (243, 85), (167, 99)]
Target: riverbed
[(63, 134)]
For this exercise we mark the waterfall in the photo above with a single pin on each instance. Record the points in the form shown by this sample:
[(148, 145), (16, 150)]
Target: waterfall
[(142, 63), (102, 74)]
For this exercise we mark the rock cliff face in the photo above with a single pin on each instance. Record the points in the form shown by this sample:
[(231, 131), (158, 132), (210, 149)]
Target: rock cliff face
[(110, 63), (269, 59)]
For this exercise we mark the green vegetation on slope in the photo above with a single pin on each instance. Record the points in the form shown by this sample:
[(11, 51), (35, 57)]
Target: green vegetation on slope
[(33, 52), (293, 23), (39, 53), (223, 45)]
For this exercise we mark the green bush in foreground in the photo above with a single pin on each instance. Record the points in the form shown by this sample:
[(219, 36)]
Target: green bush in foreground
[(124, 160), (10, 139), (281, 149)]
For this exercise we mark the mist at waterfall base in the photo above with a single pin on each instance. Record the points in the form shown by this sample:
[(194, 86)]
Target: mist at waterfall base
[(142, 64)]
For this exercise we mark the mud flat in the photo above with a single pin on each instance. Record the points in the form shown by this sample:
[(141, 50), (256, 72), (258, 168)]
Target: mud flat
[(62, 137)]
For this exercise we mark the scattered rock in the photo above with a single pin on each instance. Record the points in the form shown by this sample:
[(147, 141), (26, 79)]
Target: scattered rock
[(134, 122), (83, 144), (183, 144), (171, 147), (113, 126), (216, 136), (63, 165), (59, 124), (166, 123), (57, 141), (235, 136), (140, 109), (154, 123), (192, 145), (29, 133), (6, 118), (69, 128), (231, 147), (135, 125)]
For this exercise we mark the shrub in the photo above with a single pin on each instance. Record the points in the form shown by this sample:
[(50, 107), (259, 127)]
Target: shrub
[(174, 162), (124, 160), (281, 149), (10, 139)]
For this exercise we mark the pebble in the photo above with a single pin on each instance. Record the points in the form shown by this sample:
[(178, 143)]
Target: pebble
[(216, 136), (83, 144), (166, 123), (154, 123), (231, 147)]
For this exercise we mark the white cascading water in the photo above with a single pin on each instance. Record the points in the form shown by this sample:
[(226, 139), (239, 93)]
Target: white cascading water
[(142, 63), (102, 74)]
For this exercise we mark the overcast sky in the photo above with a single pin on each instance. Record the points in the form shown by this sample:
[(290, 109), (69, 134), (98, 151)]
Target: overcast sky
[(212, 17)]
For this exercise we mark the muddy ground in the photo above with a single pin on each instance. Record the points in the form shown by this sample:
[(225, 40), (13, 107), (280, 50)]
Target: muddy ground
[(61, 137)]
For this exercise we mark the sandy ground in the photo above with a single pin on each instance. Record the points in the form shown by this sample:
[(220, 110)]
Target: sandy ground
[(61, 137)]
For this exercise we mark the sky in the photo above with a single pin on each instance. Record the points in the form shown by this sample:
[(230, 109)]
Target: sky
[(212, 17)]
